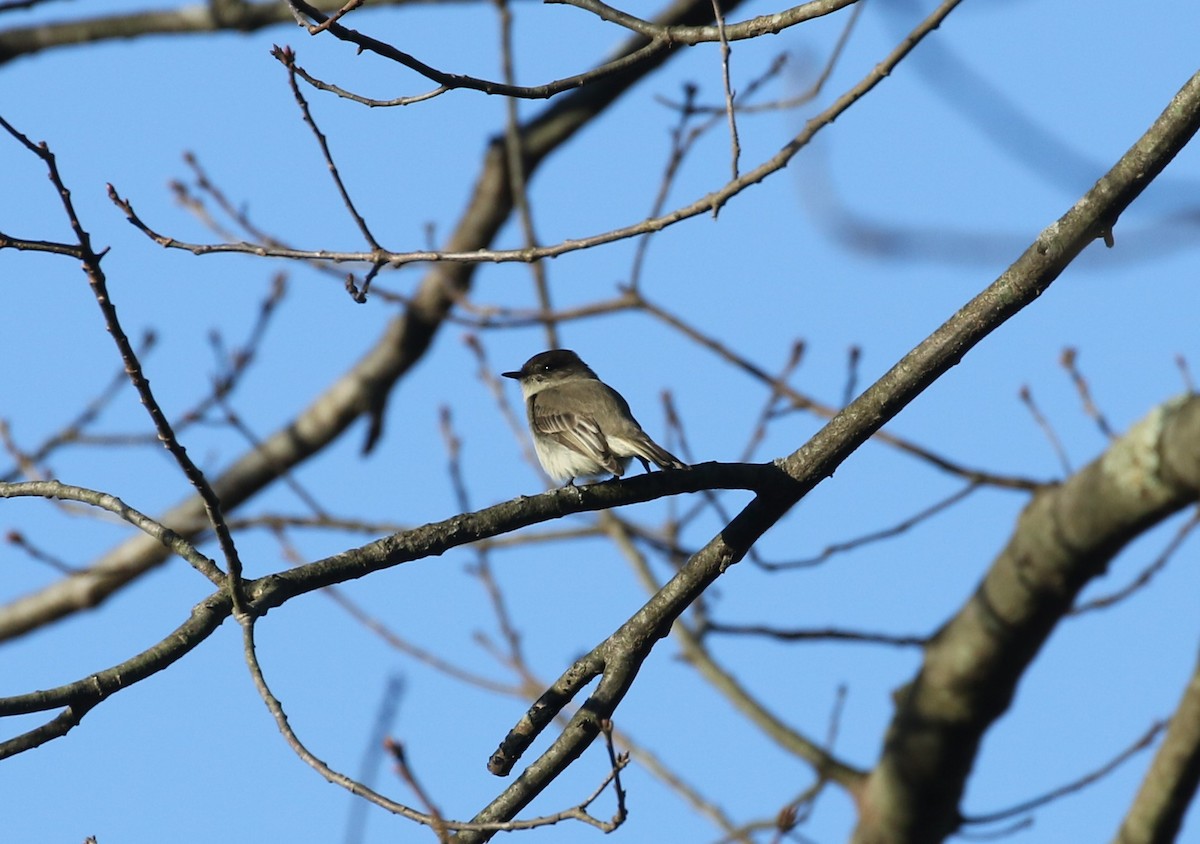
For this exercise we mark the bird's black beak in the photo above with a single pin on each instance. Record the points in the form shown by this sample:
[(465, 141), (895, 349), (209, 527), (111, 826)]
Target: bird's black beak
[(516, 375)]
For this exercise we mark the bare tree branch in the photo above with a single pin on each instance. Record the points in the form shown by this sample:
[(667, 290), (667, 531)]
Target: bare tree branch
[(771, 24), (1066, 536), (133, 367), (1025, 807), (1171, 784), (193, 19), (169, 539), (659, 37)]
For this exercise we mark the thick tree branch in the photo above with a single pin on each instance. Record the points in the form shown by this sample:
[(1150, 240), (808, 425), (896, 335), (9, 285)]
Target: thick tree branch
[(1065, 537), (436, 538), (1171, 784)]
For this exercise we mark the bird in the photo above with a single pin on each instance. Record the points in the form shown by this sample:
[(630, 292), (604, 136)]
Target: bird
[(582, 427)]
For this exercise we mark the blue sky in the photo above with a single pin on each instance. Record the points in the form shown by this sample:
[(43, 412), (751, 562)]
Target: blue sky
[(990, 131)]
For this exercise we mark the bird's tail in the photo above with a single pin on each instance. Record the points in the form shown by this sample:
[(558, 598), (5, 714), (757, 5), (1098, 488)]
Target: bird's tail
[(645, 449)]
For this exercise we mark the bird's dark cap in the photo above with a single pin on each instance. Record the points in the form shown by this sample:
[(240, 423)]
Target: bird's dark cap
[(548, 361)]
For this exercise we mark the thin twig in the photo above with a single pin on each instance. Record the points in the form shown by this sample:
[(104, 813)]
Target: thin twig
[(15, 537), (801, 807), (404, 646), (759, 433), (287, 58), (250, 654), (804, 402), (249, 651), (828, 634), (514, 148), (900, 527), (99, 285), (683, 142), (1070, 360), (366, 43), (616, 762), (709, 203), (1145, 575), (1185, 372), (853, 359), (400, 757), (660, 39), (73, 431), (1072, 787), (514, 656), (734, 144), (1047, 429), (350, 6), (763, 25), (385, 716), (321, 85), (104, 501)]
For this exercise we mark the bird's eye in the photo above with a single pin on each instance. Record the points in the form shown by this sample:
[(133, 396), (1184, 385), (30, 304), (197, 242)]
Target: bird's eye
[(546, 367)]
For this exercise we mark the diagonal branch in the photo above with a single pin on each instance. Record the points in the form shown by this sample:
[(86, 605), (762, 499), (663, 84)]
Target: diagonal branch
[(98, 281), (1171, 784), (921, 763), (1066, 536)]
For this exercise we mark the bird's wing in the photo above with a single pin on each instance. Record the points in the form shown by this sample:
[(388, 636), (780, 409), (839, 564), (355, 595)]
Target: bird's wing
[(631, 440), (575, 431)]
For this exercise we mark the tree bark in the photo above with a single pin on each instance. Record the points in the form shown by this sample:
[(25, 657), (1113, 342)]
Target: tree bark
[(1065, 537)]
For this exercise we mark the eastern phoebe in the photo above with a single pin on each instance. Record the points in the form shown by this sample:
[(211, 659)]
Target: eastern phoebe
[(581, 426)]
